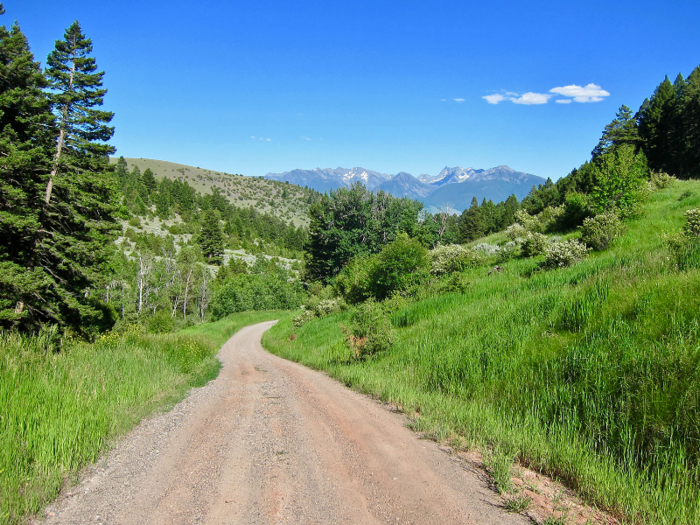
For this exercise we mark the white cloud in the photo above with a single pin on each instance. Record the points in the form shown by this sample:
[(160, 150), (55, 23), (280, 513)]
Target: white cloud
[(589, 93), (268, 140), (531, 98), (494, 99), (563, 101), (305, 138), (443, 100), (252, 137), (458, 99)]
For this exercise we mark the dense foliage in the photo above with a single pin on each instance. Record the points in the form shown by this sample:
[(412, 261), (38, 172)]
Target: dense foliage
[(56, 196)]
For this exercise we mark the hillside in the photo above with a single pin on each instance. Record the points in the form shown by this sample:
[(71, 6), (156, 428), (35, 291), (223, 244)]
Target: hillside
[(288, 202), (587, 372)]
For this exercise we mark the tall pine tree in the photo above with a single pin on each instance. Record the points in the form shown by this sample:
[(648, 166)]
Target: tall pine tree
[(75, 214), (25, 145)]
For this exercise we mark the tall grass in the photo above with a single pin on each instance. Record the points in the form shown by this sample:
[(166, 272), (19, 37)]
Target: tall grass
[(58, 410), (589, 373)]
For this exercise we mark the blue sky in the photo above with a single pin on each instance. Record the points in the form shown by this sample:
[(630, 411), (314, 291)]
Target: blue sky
[(267, 86)]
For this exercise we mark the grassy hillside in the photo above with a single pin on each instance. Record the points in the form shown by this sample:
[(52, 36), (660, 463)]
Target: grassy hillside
[(264, 195), (587, 373)]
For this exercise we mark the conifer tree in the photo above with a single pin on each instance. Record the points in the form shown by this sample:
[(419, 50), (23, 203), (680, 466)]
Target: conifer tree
[(622, 130), (75, 218), (689, 124), (25, 145), (656, 126), (211, 238)]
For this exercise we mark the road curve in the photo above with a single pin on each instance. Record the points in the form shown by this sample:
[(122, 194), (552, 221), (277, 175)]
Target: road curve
[(270, 441)]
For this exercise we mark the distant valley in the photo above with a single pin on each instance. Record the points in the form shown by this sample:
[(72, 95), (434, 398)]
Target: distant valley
[(452, 186)]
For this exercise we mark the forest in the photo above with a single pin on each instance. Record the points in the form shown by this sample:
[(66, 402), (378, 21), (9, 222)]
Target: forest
[(572, 313)]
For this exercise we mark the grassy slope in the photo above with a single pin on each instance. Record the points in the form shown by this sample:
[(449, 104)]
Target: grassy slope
[(262, 194), (60, 410), (588, 373)]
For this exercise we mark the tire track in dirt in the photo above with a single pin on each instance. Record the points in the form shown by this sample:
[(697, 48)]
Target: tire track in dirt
[(270, 441)]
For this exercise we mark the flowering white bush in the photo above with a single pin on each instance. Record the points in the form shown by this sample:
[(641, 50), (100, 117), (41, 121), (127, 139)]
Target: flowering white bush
[(534, 244), (599, 231), (515, 231), (561, 254), (692, 226), (452, 258), (486, 248), (527, 221)]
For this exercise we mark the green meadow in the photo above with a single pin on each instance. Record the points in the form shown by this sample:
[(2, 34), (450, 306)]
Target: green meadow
[(61, 410), (590, 373)]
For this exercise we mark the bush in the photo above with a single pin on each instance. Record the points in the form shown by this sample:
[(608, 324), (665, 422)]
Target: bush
[(246, 292), (599, 231), (352, 283), (692, 225), (370, 330), (576, 210), (399, 265), (508, 251), (527, 221), (562, 254), (161, 323), (515, 232), (304, 317), (661, 180), (487, 249), (534, 244), (550, 218), (452, 258), (135, 222)]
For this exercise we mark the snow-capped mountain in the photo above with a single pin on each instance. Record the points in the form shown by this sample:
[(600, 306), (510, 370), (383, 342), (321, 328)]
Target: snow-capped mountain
[(455, 186)]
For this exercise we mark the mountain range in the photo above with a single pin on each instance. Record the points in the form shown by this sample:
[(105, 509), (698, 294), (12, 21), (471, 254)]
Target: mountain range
[(454, 187)]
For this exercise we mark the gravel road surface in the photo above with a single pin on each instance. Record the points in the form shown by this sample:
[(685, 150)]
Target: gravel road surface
[(270, 441)]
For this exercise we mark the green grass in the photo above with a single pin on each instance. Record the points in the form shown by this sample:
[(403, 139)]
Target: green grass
[(58, 411), (590, 374)]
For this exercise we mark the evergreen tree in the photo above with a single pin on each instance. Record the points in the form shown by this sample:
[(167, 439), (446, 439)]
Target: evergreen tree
[(149, 181), (656, 127), (211, 238), (25, 153), (471, 223), (622, 130), (689, 124), (70, 246)]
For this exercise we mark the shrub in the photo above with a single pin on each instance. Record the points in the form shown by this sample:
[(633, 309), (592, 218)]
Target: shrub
[(243, 292), (452, 258), (561, 254), (135, 222), (399, 264), (550, 218), (160, 323), (692, 225), (370, 330), (599, 231), (576, 210), (685, 250), (352, 283), (661, 180), (515, 231), (508, 251), (527, 221), (304, 317), (534, 244), (487, 249)]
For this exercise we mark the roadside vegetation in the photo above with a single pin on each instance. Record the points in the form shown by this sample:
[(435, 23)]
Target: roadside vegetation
[(61, 408), (586, 372)]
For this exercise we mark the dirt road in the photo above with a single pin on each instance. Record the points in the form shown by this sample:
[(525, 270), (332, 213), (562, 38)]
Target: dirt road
[(270, 441)]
